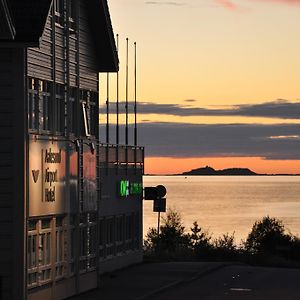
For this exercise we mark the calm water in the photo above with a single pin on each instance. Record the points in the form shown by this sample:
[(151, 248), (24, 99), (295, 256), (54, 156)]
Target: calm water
[(224, 204)]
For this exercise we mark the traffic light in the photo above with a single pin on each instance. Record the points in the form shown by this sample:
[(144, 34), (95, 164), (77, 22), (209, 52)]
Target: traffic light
[(150, 193), (153, 193), (159, 205)]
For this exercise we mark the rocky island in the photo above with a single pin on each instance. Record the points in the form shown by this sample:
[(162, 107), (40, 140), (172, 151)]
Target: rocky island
[(207, 171)]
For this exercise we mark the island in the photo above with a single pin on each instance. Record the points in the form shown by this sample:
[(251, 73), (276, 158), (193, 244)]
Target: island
[(209, 171)]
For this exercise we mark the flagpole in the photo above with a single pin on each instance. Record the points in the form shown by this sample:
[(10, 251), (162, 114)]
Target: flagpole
[(107, 109), (117, 128), (126, 98), (135, 97)]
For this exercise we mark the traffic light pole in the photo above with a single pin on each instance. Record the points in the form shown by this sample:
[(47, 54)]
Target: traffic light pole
[(158, 224)]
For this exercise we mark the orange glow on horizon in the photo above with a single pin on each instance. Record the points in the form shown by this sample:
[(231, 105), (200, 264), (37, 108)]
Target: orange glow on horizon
[(169, 165)]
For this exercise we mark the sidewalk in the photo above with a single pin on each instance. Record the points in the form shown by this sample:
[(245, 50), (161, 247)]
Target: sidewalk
[(146, 280)]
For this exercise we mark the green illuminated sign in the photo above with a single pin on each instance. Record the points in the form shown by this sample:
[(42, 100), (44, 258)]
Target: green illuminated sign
[(128, 188), (136, 189), (124, 188)]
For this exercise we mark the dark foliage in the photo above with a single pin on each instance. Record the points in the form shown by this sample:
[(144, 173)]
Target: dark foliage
[(225, 247), (200, 241), (172, 241), (266, 241), (268, 237)]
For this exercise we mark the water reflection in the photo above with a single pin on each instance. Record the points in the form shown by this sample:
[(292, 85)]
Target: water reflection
[(229, 204)]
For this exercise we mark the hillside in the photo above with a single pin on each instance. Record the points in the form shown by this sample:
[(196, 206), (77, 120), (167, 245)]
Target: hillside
[(207, 171)]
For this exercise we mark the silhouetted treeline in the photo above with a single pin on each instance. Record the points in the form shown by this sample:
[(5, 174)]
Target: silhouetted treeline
[(267, 243)]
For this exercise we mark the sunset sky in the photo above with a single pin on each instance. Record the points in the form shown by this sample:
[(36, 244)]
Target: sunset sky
[(218, 82)]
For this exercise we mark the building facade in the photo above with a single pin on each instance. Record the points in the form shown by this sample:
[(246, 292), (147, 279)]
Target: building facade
[(70, 205)]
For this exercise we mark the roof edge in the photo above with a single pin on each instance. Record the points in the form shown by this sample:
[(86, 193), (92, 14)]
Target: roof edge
[(111, 38), (44, 26), (9, 23)]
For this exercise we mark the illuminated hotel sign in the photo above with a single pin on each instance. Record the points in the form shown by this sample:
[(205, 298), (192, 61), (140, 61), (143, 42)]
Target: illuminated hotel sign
[(51, 176), (47, 170), (128, 188)]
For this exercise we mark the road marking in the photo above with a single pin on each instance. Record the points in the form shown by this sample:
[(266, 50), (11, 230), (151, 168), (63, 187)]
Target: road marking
[(240, 290)]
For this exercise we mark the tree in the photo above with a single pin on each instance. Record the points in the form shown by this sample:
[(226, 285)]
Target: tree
[(225, 247), (172, 240), (267, 237), (200, 241)]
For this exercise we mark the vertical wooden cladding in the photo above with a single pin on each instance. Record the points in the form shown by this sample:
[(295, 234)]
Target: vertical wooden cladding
[(59, 55), (6, 166), (73, 60), (40, 59), (87, 52)]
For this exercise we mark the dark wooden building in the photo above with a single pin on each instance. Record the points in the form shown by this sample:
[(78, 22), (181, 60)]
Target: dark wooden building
[(70, 205)]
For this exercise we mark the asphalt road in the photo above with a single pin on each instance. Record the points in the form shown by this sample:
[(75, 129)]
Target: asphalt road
[(239, 282)]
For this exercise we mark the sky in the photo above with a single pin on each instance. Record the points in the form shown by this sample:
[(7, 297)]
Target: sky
[(217, 82)]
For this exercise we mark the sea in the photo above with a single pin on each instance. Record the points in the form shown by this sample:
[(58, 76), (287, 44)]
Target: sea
[(228, 204)]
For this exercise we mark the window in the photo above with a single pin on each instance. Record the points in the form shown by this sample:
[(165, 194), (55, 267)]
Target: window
[(60, 236), (39, 252), (72, 9), (39, 104), (44, 254), (32, 255), (32, 104), (101, 238), (129, 232), (88, 242), (94, 113), (59, 11), (72, 245), (90, 119), (82, 247), (73, 111), (92, 242), (86, 119), (72, 15), (120, 234), (110, 239), (44, 105), (59, 109), (137, 238)]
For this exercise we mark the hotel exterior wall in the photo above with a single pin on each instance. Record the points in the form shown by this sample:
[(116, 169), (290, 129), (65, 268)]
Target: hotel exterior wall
[(60, 264), (48, 62), (33, 215), (120, 208), (12, 175)]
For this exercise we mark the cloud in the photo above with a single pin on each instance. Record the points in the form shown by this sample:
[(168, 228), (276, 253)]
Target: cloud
[(174, 3), (231, 5), (228, 4), (279, 141), (281, 109), (282, 1), (190, 100)]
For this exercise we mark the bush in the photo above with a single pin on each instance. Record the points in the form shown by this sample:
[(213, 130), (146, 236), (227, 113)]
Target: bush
[(172, 241), (225, 247), (267, 243), (200, 241), (267, 237)]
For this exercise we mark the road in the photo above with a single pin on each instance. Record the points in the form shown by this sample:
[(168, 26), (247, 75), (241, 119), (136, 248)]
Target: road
[(239, 282)]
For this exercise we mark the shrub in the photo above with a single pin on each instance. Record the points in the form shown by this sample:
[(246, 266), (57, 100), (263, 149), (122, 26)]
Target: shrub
[(225, 247), (267, 242), (268, 237), (200, 241), (172, 241)]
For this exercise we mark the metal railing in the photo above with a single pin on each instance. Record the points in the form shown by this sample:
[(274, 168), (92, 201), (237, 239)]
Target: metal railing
[(121, 156)]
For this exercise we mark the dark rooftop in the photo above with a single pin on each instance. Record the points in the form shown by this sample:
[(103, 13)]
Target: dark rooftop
[(22, 23)]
